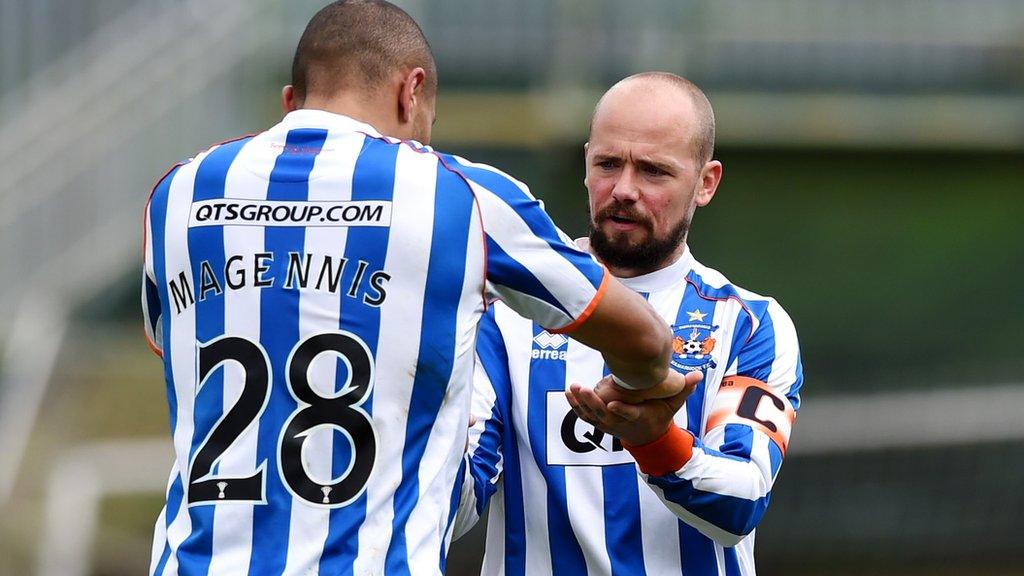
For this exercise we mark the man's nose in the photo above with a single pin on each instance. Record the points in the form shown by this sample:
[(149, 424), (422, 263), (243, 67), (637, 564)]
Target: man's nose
[(626, 187)]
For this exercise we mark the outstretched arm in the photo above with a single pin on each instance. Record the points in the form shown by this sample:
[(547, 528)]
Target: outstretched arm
[(541, 274)]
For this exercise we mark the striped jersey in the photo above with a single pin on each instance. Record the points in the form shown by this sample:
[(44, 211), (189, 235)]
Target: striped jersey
[(314, 292), (566, 498)]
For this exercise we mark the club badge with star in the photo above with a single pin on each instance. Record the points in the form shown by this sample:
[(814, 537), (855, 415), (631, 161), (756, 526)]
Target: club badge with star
[(693, 343)]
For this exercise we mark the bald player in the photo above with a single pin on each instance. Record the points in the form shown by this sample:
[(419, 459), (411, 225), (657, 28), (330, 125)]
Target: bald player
[(576, 480), (314, 292)]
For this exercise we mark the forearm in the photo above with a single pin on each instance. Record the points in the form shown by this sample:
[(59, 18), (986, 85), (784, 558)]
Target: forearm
[(635, 342), (635, 375)]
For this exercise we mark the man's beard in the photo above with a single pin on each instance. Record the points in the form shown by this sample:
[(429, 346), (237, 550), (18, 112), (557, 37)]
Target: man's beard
[(650, 254)]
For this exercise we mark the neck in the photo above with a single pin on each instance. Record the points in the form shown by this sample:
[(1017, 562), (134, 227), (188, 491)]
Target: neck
[(360, 109)]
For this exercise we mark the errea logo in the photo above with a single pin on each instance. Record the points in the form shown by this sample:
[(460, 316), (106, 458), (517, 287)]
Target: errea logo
[(548, 346)]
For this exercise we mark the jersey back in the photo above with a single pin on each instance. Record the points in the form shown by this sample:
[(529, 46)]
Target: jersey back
[(314, 292)]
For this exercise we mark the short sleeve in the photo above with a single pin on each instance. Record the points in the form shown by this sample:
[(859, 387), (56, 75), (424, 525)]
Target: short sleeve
[(532, 266)]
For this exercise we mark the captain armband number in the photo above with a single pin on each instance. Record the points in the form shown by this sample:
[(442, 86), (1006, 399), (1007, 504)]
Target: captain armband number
[(750, 402)]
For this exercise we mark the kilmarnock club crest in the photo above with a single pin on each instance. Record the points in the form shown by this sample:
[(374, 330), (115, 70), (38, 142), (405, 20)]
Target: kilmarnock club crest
[(693, 343)]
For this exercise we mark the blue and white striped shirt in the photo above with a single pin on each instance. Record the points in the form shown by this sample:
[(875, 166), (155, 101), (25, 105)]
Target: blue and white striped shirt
[(565, 498), (315, 292)]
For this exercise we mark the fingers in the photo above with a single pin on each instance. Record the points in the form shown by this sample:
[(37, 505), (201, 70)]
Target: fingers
[(570, 396), (627, 412), (676, 402), (592, 403), (592, 409)]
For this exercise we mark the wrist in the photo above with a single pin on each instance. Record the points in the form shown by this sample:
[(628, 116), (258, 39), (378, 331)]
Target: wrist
[(623, 384), (665, 454)]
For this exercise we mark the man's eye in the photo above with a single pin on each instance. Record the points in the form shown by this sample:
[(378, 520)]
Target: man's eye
[(606, 164), (654, 171)]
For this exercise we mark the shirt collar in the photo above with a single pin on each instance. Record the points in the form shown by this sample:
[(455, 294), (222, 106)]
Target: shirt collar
[(670, 275), (310, 118)]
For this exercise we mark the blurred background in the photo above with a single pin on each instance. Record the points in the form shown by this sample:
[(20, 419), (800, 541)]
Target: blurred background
[(874, 173)]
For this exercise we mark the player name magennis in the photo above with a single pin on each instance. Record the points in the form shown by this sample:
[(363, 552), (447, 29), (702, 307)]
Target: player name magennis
[(300, 271), (237, 212)]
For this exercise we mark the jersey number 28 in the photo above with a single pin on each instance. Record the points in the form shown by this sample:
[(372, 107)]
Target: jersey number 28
[(341, 412)]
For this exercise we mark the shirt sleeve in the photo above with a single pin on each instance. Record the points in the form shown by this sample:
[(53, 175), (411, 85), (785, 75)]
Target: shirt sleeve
[(151, 310), (484, 457), (723, 488), (532, 266)]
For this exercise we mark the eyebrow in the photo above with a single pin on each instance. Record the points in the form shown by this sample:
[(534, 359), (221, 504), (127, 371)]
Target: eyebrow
[(603, 157), (666, 166)]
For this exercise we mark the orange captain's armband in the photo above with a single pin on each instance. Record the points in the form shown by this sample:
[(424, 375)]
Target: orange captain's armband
[(750, 402)]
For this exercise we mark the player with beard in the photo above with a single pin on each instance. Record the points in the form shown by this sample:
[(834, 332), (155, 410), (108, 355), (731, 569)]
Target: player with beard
[(557, 464)]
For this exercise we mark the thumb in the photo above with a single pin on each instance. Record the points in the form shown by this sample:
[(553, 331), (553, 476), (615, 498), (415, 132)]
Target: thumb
[(678, 383), (692, 379), (690, 384)]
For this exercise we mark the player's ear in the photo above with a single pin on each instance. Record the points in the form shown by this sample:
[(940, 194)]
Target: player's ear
[(411, 94), (288, 102), (710, 177)]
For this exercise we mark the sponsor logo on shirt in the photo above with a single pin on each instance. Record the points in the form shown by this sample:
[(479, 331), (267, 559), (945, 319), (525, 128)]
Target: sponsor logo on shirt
[(548, 346), (236, 212), (573, 442)]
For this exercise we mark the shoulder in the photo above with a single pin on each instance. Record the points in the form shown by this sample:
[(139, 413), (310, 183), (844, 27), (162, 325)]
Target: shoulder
[(765, 340), (234, 142), (713, 285), (198, 157), (485, 176)]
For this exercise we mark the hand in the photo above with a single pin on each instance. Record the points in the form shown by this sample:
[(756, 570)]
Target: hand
[(617, 413)]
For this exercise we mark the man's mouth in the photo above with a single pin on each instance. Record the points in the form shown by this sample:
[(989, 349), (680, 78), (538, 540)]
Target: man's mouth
[(623, 222)]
